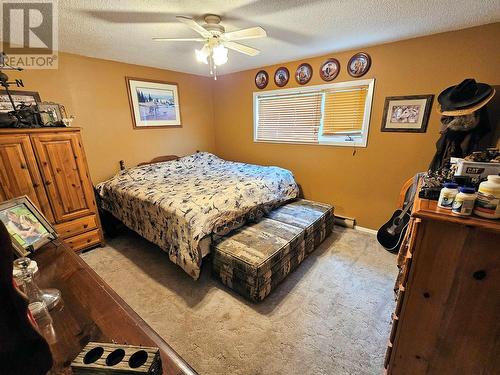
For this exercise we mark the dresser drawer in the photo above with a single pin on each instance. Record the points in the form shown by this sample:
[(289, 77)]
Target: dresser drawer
[(77, 226), (84, 240)]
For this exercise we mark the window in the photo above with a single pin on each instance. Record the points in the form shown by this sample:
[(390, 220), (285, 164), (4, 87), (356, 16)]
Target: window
[(331, 114)]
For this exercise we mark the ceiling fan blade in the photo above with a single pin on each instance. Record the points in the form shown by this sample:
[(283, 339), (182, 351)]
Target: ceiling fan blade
[(119, 16), (188, 21), (242, 48), (179, 39), (250, 33)]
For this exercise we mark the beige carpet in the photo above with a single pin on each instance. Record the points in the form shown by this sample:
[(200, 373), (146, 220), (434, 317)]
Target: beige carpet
[(331, 316)]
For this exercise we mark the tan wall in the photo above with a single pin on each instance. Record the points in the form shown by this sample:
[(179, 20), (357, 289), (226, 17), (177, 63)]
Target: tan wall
[(95, 92), (217, 116), (364, 185)]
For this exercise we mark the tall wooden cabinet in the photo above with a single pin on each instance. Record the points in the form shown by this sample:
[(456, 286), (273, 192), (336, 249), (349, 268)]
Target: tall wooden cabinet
[(446, 319), (49, 166)]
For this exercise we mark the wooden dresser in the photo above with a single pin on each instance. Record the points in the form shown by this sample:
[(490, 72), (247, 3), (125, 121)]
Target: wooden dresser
[(447, 317), (49, 166), (92, 311)]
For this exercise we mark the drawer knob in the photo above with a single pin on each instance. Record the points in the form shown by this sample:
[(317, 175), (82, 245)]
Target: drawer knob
[(479, 275)]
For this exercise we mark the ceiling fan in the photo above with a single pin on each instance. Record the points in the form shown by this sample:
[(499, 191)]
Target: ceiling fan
[(217, 41)]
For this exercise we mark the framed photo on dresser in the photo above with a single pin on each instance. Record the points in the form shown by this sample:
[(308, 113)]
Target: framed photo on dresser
[(153, 104), (19, 97), (28, 228)]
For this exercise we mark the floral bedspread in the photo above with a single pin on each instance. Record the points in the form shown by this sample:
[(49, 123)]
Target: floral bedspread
[(176, 204)]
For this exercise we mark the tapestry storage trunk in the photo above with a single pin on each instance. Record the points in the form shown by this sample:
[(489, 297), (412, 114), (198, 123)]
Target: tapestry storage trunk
[(254, 259), (257, 257), (314, 217)]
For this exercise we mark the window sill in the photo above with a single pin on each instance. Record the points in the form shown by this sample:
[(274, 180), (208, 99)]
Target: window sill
[(360, 143)]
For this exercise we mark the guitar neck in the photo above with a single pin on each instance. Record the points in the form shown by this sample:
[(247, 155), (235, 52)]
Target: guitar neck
[(406, 209)]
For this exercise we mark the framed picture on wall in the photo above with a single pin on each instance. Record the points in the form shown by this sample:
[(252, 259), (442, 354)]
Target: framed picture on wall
[(407, 113), (261, 79), (281, 76), (153, 104), (19, 97), (359, 64)]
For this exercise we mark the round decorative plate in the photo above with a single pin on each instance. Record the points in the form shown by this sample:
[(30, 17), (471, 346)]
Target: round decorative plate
[(281, 76), (359, 64), (329, 69), (304, 73), (261, 79)]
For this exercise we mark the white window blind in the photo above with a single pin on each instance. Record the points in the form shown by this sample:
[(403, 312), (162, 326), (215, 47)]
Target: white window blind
[(333, 114), (344, 110), (289, 118)]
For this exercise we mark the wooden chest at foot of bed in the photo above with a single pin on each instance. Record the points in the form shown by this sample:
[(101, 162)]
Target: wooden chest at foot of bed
[(254, 259), (108, 359)]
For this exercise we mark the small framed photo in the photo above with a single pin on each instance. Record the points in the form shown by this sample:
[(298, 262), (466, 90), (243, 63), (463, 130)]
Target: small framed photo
[(261, 79), (28, 228), (303, 73), (50, 113), (19, 97), (329, 70), (281, 76), (359, 64), (62, 109), (407, 113), (153, 104)]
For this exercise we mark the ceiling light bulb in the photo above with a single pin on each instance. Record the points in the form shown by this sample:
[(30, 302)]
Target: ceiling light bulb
[(219, 55), (202, 55)]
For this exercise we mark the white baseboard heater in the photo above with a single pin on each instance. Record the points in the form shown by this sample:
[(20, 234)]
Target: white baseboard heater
[(343, 221)]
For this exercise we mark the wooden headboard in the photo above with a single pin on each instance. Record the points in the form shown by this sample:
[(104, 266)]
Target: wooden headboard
[(158, 159)]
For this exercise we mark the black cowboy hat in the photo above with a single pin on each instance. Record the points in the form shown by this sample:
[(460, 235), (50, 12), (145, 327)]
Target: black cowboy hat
[(464, 98)]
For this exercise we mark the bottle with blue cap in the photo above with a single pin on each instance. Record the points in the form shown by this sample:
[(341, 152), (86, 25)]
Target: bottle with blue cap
[(463, 204), (447, 195)]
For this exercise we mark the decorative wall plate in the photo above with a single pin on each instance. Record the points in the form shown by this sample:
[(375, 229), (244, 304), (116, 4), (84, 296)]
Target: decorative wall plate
[(329, 69), (281, 76), (304, 73), (359, 64), (261, 79)]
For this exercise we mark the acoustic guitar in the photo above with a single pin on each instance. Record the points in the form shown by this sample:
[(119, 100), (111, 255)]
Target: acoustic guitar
[(391, 234)]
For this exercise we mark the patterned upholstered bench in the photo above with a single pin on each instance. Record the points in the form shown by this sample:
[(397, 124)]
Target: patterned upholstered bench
[(314, 217), (254, 259)]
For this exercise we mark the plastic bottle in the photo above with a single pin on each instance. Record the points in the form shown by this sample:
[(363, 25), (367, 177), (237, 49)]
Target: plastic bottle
[(464, 202), (447, 195), (488, 198)]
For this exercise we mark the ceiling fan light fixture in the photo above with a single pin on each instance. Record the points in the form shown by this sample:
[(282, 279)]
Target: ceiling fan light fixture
[(216, 41), (219, 55), (202, 54)]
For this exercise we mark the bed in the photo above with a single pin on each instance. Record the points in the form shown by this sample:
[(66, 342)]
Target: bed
[(181, 204)]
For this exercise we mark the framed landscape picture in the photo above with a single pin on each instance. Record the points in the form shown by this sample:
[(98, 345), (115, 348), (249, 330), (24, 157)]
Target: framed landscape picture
[(407, 113), (19, 97), (154, 104)]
